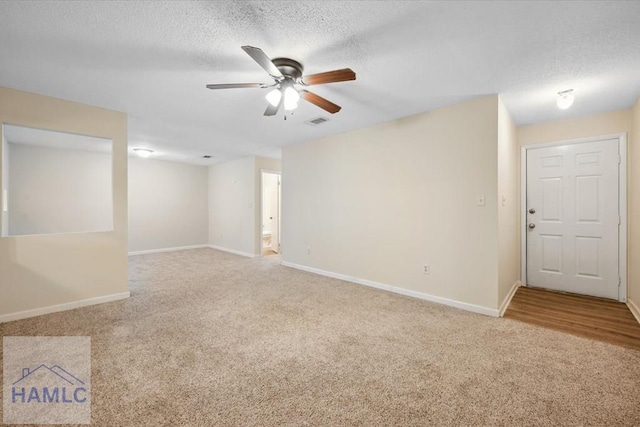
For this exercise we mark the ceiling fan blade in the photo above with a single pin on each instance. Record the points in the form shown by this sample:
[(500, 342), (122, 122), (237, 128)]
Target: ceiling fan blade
[(319, 101), (261, 58), (234, 85), (271, 110), (329, 77)]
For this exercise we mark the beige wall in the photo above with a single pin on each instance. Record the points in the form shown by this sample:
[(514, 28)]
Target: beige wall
[(574, 128), (168, 205), (4, 188), (234, 204), (634, 208), (599, 125), (381, 202), (508, 204), (37, 272)]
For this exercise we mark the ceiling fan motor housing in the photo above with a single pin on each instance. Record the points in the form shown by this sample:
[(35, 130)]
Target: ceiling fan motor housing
[(288, 67)]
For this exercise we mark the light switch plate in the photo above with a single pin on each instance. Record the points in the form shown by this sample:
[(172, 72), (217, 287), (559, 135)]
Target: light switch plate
[(480, 200)]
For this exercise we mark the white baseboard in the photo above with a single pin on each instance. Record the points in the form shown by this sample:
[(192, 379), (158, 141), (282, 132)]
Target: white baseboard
[(233, 251), (635, 310), (62, 307), (179, 248), (509, 297), (452, 303)]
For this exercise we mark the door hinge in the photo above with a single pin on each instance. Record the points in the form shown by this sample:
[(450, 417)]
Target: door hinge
[(619, 159), (619, 220), (619, 281)]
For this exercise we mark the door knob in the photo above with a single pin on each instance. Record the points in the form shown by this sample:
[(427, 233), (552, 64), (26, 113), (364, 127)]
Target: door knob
[(532, 211), (532, 226)]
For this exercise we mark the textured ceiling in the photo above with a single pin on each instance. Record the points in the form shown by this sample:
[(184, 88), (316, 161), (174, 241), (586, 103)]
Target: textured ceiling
[(152, 60)]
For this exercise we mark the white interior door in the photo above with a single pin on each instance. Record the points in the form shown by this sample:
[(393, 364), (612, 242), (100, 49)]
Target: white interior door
[(573, 219), (275, 213), (271, 211)]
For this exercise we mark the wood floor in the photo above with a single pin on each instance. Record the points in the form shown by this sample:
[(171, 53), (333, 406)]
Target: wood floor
[(595, 318)]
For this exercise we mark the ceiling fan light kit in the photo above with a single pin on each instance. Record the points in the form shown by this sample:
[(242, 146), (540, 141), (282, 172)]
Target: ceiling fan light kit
[(287, 73), (274, 97), (291, 97)]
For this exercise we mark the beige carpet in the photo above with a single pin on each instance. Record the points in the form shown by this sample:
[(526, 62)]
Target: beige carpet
[(210, 338)]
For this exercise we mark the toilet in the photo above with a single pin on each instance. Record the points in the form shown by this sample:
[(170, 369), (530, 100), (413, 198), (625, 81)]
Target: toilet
[(266, 239)]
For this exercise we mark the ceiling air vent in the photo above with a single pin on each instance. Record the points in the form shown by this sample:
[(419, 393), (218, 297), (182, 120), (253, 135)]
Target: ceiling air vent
[(316, 122)]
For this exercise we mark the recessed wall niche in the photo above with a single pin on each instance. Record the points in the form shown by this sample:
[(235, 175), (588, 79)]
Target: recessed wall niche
[(55, 182)]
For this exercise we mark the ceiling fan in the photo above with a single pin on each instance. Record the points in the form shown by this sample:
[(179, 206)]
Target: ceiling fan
[(287, 73)]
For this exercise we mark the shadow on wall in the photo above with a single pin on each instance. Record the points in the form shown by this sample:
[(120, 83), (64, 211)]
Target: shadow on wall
[(36, 282)]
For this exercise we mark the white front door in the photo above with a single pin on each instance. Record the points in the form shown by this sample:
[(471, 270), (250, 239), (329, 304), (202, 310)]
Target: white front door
[(573, 219)]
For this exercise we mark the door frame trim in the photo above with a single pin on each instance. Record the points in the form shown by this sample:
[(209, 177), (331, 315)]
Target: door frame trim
[(622, 204), (274, 172)]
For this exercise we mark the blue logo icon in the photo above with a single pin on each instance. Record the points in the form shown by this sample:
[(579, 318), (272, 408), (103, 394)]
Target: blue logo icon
[(61, 386)]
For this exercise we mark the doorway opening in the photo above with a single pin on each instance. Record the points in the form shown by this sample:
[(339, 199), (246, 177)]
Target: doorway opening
[(270, 212), (573, 205)]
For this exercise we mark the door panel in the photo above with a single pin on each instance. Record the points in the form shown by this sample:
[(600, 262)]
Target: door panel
[(587, 198), (551, 253), (551, 199), (587, 254), (572, 234)]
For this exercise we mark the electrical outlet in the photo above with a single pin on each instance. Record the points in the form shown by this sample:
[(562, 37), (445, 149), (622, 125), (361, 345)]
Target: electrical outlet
[(308, 250), (427, 269)]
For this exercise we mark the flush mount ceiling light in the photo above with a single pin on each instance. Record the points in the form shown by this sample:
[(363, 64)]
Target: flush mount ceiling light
[(565, 99), (289, 83), (143, 152)]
